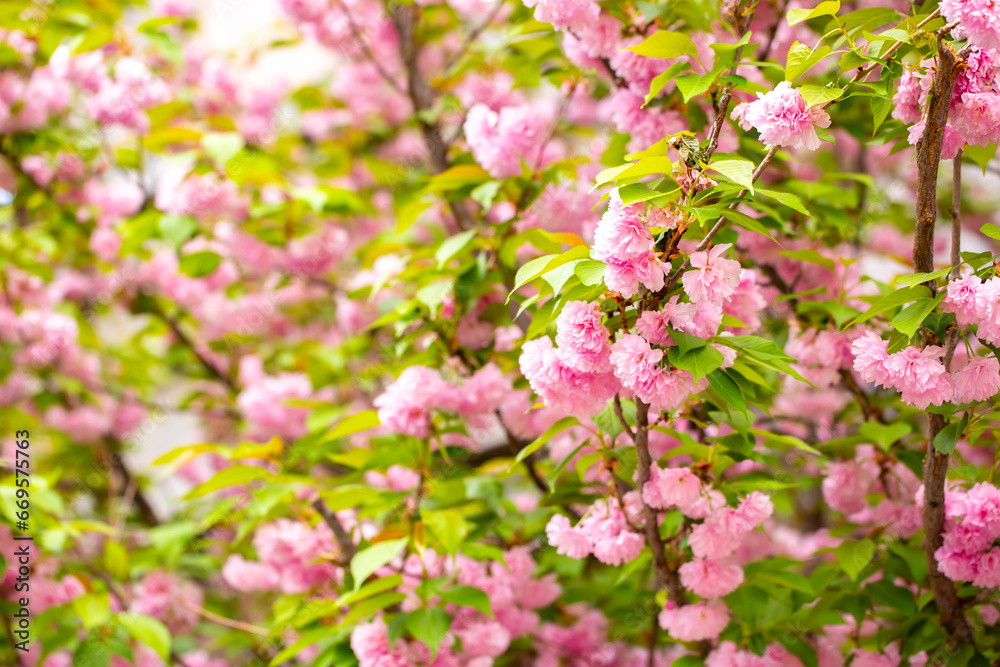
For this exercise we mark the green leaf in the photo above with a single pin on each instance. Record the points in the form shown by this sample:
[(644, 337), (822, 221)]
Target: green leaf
[(429, 626), (468, 596), (739, 171), (727, 389), (222, 146), (949, 436), (664, 78), (305, 640), (231, 476), (910, 318), (921, 278), (694, 85), (884, 435), (176, 229), (92, 652), (814, 95), (366, 562), (356, 423), (788, 199), (590, 272), (368, 590), (801, 59), (854, 556), (787, 440), (93, 609), (199, 264), (887, 594), (453, 245), (485, 194), (148, 631), (370, 606), (610, 174), (897, 298), (881, 106), (457, 177), (828, 8), (991, 231), (665, 44), (811, 256), (699, 362), (536, 444), (607, 419), (981, 155), (449, 526), (542, 265), (115, 560)]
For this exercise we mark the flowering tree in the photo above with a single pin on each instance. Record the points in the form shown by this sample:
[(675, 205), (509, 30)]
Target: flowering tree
[(538, 332)]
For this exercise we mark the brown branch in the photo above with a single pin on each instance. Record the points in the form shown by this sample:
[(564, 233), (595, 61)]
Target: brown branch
[(363, 44), (186, 340), (621, 418), (956, 214), (405, 17), (471, 37), (146, 511), (344, 541), (720, 223), (936, 462), (666, 576)]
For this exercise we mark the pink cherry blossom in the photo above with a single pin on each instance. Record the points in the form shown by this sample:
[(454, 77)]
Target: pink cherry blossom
[(978, 380), (977, 20), (582, 337), (783, 118), (716, 278), (710, 579), (695, 622)]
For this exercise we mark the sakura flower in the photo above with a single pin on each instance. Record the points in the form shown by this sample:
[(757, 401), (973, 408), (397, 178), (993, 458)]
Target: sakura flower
[(961, 299), (870, 356), (582, 338), (978, 381), (623, 242), (569, 541), (978, 21), (671, 487), (783, 118), (716, 277), (710, 579), (695, 622)]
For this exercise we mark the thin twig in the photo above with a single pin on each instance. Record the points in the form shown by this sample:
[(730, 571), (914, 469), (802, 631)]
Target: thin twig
[(213, 370), (362, 42), (222, 620), (473, 35), (344, 541)]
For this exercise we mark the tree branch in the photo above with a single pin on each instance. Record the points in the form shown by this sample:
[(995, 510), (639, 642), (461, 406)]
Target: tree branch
[(666, 576), (344, 541), (936, 462), (404, 17)]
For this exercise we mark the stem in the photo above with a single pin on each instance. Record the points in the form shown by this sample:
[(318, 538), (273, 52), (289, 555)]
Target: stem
[(936, 462), (344, 541), (421, 96), (666, 576), (956, 214)]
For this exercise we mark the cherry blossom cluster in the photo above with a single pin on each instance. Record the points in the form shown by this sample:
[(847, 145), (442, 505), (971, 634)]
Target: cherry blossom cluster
[(292, 558), (972, 527), (919, 374), (406, 405), (974, 118)]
